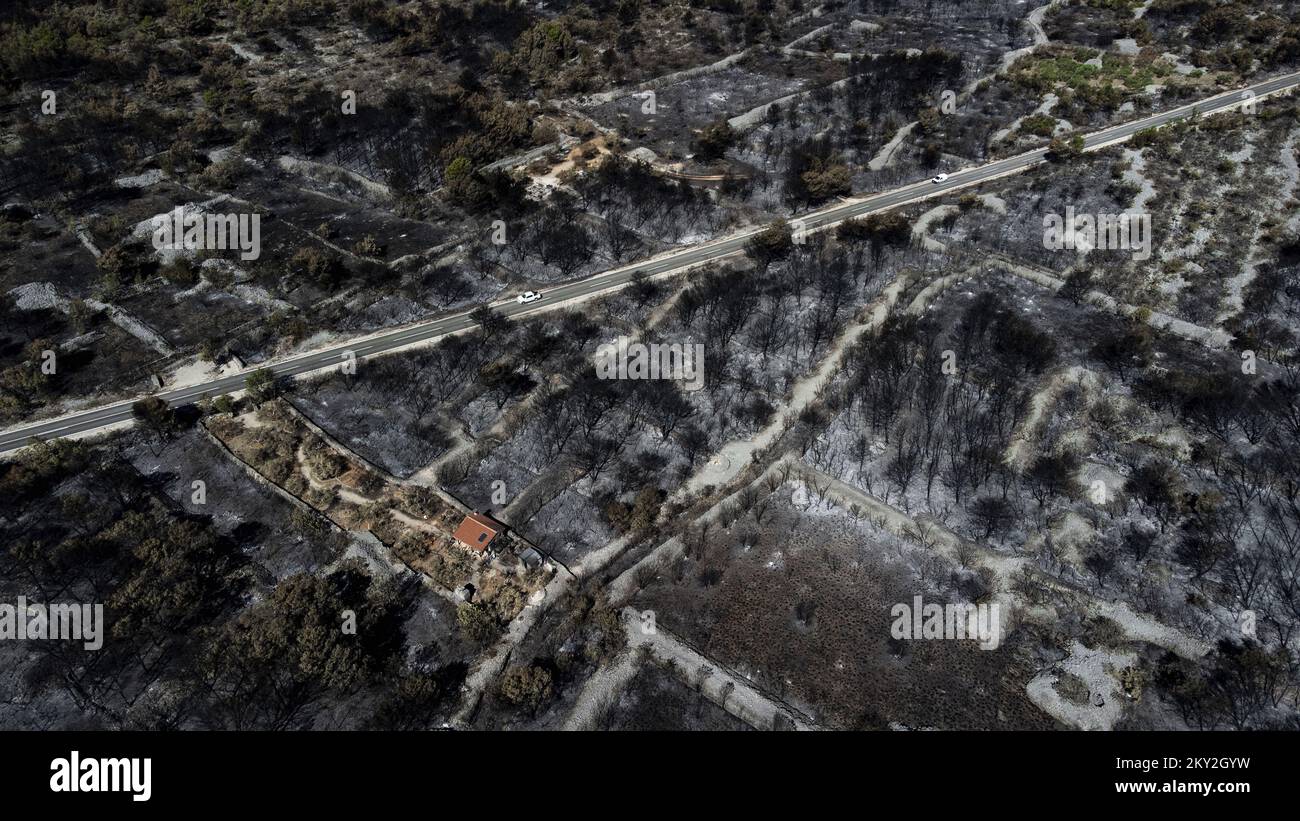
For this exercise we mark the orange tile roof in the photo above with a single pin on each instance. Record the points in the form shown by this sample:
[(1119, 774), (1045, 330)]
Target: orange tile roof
[(477, 531)]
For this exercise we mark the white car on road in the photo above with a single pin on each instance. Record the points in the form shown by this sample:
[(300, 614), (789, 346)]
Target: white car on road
[(938, 178), (527, 297)]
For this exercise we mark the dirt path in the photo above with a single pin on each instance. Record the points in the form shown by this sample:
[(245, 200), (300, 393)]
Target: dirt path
[(755, 115), (885, 156), (922, 301), (1026, 434), (1035, 22), (649, 85), (36, 295), (1213, 338), (1252, 258), (88, 241), (1038, 37), (348, 453), (335, 175), (1096, 668), (428, 475), (1137, 626), (921, 228), (729, 690), (735, 455), (490, 666), (601, 690)]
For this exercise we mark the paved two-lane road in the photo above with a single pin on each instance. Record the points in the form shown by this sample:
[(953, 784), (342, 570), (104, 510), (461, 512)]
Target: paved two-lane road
[(97, 418)]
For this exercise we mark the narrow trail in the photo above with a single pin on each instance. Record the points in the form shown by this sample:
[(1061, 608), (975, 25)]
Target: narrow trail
[(1038, 37), (728, 689), (1137, 626), (735, 455), (885, 156), (1027, 431), (601, 690), (1212, 338), (1100, 668), (486, 670)]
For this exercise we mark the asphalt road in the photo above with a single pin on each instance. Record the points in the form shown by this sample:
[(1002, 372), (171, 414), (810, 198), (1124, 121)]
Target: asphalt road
[(610, 280)]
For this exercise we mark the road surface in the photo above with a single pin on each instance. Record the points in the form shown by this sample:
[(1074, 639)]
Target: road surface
[(108, 415)]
